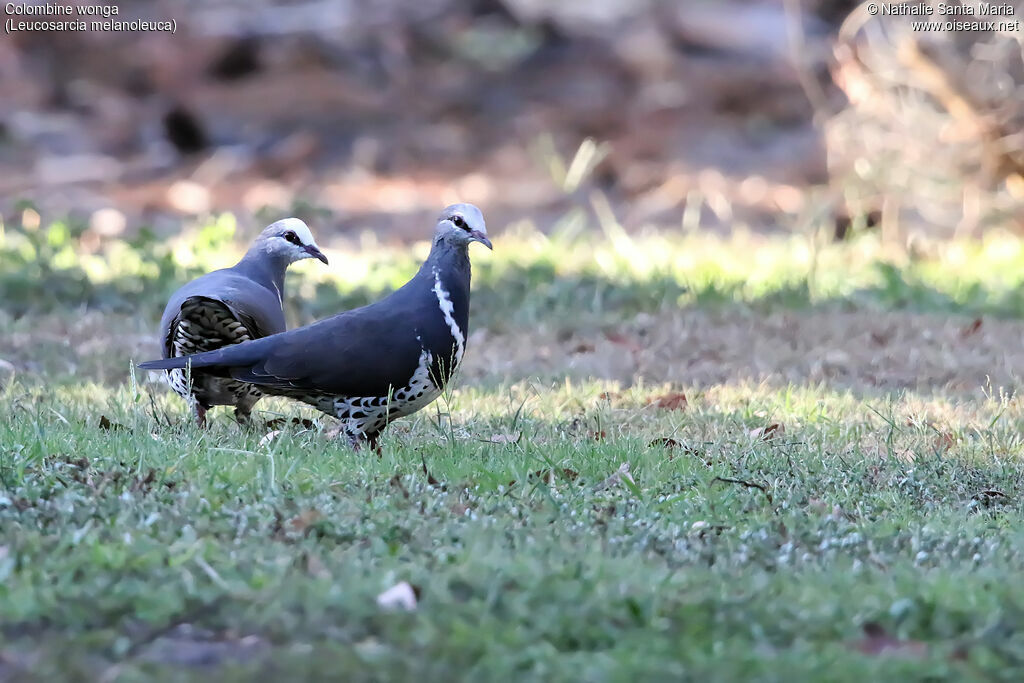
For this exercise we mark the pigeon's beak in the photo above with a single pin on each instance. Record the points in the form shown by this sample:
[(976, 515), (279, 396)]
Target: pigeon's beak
[(482, 239), (315, 252)]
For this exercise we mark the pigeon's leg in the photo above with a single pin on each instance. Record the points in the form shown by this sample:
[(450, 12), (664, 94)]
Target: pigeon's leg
[(200, 413), (371, 441), (354, 441), (243, 417)]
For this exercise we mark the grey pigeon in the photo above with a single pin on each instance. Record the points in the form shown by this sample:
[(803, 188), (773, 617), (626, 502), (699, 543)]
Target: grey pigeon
[(370, 365), (231, 306)]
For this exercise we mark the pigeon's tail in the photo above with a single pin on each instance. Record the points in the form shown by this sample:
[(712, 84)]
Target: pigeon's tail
[(236, 355), (178, 363)]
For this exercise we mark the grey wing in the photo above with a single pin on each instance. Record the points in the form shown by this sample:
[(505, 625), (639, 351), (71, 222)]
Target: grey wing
[(251, 304), (359, 353)]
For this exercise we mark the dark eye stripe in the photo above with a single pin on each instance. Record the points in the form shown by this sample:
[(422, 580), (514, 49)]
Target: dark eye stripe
[(291, 237), (459, 222)]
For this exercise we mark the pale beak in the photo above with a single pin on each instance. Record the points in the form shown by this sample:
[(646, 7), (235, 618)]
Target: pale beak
[(481, 238), (313, 251)]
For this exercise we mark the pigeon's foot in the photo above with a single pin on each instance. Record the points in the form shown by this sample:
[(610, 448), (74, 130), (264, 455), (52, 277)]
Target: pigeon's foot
[(243, 417)]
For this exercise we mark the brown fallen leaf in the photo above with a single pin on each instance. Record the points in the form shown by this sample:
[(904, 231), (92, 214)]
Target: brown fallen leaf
[(402, 596), (582, 347), (664, 442), (302, 522), (622, 340), (608, 395), (877, 641), (598, 435), (971, 329), (672, 401), (767, 433), (944, 441)]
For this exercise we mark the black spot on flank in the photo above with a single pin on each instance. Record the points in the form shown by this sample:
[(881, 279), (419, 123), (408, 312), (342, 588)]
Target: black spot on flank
[(393, 410), (358, 415)]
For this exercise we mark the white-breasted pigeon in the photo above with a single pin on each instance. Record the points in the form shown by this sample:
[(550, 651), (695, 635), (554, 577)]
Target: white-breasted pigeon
[(370, 365)]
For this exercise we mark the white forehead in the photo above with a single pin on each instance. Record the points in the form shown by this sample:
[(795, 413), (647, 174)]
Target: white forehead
[(295, 225), (469, 213)]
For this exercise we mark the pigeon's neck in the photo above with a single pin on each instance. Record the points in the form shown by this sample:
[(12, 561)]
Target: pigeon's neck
[(451, 261), (266, 269)]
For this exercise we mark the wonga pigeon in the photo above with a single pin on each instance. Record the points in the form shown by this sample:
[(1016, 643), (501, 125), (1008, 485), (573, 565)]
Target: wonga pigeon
[(231, 306), (373, 364)]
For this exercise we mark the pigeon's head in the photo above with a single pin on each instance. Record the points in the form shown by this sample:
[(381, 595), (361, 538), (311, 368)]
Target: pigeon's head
[(290, 239), (461, 224)]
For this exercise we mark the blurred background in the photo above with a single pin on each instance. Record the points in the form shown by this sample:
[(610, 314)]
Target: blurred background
[(745, 114), (632, 157)]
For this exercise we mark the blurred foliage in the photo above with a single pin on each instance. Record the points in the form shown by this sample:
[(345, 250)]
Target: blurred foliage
[(573, 273)]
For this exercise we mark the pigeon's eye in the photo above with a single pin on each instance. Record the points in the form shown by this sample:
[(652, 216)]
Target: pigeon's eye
[(292, 237), (459, 222)]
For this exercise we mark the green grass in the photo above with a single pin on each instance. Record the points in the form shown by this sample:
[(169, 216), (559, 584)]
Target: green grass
[(152, 550), (113, 537)]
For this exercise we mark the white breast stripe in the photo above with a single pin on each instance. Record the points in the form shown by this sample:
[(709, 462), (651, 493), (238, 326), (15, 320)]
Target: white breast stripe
[(447, 308)]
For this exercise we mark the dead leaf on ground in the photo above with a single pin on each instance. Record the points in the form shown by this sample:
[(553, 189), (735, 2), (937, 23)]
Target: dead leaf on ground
[(402, 596), (268, 437), (971, 329), (512, 438), (672, 401), (617, 478), (609, 395), (622, 340), (582, 347), (877, 641), (302, 522), (944, 441), (599, 435), (772, 431), (107, 425), (882, 338)]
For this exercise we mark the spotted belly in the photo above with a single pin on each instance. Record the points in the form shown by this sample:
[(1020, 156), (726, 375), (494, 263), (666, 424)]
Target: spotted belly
[(368, 415)]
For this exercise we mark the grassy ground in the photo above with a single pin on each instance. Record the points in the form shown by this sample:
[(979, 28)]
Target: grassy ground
[(837, 496)]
